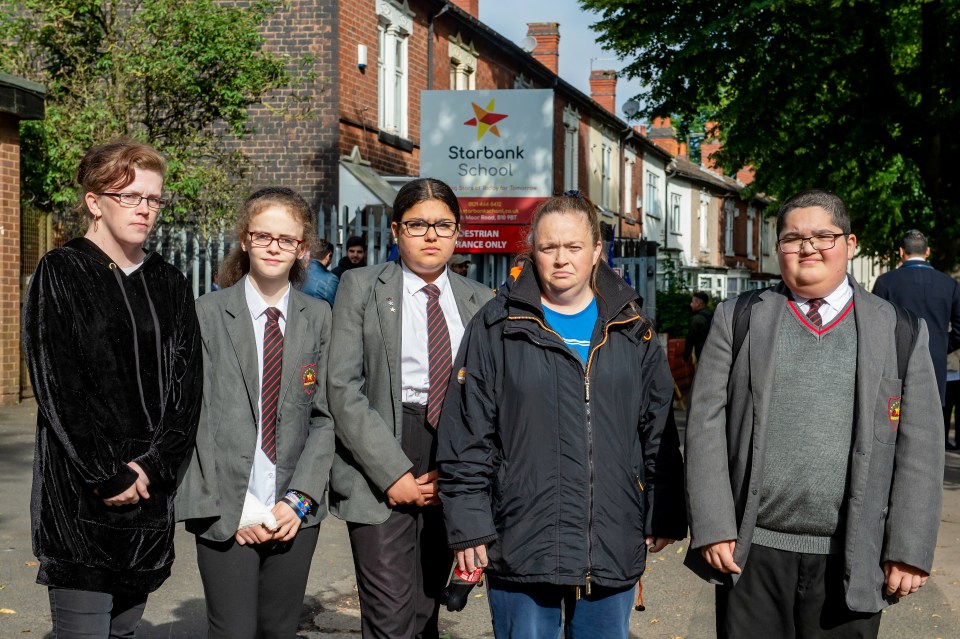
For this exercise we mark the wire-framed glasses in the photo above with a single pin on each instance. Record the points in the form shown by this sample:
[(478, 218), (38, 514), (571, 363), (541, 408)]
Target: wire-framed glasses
[(131, 200), (263, 240), (419, 228), (819, 242)]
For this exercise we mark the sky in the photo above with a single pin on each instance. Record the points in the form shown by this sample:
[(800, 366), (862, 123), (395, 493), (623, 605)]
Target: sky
[(578, 47)]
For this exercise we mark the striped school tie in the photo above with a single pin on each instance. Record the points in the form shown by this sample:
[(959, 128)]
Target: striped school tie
[(813, 311), (270, 387), (438, 354)]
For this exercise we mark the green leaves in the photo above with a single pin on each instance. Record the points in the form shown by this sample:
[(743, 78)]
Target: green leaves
[(180, 75), (858, 96)]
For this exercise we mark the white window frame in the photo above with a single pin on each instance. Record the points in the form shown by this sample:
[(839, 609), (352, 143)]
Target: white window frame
[(571, 148), (751, 216), (673, 217), (463, 64), (606, 173), (394, 27), (652, 195), (703, 215), (729, 215), (629, 162)]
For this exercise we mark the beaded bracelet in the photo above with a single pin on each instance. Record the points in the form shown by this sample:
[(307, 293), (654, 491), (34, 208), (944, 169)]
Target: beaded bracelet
[(300, 503)]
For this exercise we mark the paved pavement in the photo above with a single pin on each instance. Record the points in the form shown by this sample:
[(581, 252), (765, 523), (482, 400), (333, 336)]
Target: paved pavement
[(679, 606)]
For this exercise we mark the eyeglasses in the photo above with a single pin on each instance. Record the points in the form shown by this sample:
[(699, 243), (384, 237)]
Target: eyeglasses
[(131, 200), (263, 240), (419, 228), (820, 242)]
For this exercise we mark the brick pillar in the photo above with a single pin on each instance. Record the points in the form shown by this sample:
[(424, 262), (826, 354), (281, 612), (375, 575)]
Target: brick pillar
[(9, 260), (547, 35), (603, 88)]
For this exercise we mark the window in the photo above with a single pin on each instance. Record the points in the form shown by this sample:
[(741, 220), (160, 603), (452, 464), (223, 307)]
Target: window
[(463, 64), (629, 164), (702, 217), (393, 31), (653, 195), (673, 220), (571, 148), (729, 213), (606, 175), (751, 216)]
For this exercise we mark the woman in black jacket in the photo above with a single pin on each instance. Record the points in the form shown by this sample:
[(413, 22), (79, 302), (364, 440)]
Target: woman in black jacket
[(559, 458), (112, 344)]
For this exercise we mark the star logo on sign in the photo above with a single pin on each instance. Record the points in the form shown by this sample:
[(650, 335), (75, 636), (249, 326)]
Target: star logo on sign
[(485, 120)]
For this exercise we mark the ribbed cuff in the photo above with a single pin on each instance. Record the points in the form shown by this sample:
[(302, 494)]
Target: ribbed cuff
[(482, 541)]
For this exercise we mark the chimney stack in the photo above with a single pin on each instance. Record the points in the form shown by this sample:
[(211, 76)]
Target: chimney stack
[(662, 134), (603, 88), (547, 35), (710, 145), (470, 6)]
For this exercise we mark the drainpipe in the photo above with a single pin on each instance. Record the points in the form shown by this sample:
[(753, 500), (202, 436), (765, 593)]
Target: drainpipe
[(442, 11)]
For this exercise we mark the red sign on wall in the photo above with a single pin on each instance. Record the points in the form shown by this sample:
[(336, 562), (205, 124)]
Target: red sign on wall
[(498, 210), (492, 238)]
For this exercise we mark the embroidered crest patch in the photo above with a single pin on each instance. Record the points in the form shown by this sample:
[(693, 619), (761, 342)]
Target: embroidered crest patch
[(308, 376), (462, 376), (893, 412)]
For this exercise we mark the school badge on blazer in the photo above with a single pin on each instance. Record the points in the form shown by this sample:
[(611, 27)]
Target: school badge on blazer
[(308, 376), (893, 412)]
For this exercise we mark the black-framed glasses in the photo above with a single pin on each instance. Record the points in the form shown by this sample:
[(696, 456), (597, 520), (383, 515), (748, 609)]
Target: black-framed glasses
[(263, 240), (419, 228), (131, 200), (819, 242)]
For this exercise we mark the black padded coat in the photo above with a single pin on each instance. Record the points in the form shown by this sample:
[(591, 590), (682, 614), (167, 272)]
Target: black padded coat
[(561, 469), (116, 368)]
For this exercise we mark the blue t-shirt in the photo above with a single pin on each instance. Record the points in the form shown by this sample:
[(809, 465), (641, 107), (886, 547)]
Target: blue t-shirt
[(576, 330)]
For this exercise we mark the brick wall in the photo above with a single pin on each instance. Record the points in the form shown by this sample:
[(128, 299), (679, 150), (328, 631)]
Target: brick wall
[(300, 153), (9, 260)]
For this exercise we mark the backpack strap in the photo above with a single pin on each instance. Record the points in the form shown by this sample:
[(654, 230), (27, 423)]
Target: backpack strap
[(741, 320), (905, 336)]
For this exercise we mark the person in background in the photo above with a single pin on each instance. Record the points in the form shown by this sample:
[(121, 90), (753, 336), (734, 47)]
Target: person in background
[(112, 343), (699, 325), (253, 490), (559, 458), (814, 471), (459, 264), (930, 295), (396, 328), (321, 283), (355, 257)]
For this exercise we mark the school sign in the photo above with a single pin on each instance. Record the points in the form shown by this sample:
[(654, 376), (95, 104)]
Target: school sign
[(495, 150)]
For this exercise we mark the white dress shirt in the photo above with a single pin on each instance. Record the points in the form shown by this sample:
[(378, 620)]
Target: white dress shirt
[(832, 303), (414, 362), (263, 475)]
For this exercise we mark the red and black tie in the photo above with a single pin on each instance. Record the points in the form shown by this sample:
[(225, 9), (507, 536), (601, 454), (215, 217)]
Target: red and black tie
[(813, 311), (438, 354), (270, 386)]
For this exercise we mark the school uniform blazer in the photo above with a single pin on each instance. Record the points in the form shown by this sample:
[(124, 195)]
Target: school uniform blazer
[(213, 481), (894, 490), (364, 386)]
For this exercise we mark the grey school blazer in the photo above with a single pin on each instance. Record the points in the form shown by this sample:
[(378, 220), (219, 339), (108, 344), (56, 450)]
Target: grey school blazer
[(213, 481), (364, 386), (895, 483)]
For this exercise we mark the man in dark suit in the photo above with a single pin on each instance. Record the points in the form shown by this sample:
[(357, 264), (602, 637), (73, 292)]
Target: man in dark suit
[(814, 500), (928, 294)]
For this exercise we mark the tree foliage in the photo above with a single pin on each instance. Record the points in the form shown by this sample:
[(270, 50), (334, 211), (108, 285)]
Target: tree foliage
[(180, 75), (858, 96)]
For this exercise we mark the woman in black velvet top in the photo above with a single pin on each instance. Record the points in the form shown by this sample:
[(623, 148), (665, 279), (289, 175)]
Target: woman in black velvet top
[(112, 344)]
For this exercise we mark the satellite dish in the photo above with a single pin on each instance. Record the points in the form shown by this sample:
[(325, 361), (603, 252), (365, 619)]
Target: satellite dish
[(528, 44), (630, 108)]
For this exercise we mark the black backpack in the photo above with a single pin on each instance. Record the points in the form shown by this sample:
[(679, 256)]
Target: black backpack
[(905, 334)]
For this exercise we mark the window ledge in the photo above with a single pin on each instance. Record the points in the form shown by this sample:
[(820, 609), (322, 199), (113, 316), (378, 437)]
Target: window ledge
[(395, 141)]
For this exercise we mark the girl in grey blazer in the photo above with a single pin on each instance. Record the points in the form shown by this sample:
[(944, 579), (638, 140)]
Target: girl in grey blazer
[(253, 491), (384, 396)]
